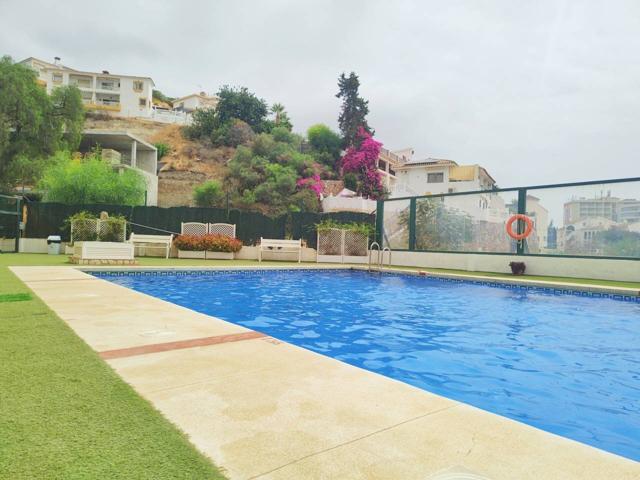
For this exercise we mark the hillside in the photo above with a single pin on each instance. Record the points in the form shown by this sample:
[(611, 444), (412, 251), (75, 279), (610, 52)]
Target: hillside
[(189, 163)]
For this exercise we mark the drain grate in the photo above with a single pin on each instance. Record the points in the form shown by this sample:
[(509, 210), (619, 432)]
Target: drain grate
[(14, 297)]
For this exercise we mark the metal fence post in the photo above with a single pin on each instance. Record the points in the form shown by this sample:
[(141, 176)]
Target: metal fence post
[(379, 221), (412, 224), (18, 224), (522, 210)]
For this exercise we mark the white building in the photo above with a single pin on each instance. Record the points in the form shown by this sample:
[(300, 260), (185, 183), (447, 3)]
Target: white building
[(192, 102), (433, 176), (120, 95), (124, 150)]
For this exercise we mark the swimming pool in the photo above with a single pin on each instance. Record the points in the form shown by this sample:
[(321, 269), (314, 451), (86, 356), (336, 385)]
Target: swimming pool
[(565, 363)]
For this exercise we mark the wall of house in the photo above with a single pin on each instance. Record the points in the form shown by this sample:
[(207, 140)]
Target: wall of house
[(348, 204), (603, 269), (130, 99)]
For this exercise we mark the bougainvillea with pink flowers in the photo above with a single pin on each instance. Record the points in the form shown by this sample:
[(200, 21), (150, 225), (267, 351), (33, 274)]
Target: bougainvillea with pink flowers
[(362, 160), (313, 183)]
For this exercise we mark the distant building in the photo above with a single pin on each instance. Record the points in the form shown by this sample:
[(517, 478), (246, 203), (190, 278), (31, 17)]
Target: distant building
[(124, 150), (195, 101), (388, 162), (580, 238), (120, 95), (433, 176), (612, 208), (629, 210)]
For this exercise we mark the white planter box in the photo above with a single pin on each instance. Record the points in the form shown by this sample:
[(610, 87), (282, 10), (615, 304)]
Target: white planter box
[(103, 251), (191, 254), (220, 255)]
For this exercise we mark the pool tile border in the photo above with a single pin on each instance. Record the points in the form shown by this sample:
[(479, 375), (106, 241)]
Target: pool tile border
[(587, 291)]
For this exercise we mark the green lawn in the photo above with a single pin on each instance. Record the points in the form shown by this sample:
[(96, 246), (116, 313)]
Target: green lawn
[(64, 414)]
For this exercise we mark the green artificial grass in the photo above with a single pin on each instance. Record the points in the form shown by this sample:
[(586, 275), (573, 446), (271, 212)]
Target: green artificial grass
[(15, 297), (64, 414)]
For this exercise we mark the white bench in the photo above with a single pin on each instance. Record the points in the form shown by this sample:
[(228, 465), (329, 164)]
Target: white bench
[(160, 241), (280, 246)]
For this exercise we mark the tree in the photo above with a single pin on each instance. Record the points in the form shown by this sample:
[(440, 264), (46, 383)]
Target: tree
[(233, 133), (362, 160), (240, 103), (326, 145), (281, 117), (203, 123), (437, 227), (618, 243), (209, 194), (354, 109), (78, 181), (68, 112), (33, 125), (267, 171)]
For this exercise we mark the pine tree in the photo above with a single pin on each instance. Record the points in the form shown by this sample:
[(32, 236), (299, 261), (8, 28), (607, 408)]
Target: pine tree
[(354, 109)]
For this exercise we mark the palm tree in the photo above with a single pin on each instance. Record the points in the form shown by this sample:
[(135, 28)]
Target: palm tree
[(278, 110)]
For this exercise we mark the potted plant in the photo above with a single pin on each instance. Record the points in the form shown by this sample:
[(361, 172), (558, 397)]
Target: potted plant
[(190, 246), (221, 247)]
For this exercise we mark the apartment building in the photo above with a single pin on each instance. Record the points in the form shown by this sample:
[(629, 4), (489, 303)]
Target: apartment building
[(193, 102), (605, 206), (119, 95), (433, 176)]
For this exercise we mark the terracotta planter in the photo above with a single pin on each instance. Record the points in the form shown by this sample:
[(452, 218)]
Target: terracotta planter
[(191, 254), (219, 255)]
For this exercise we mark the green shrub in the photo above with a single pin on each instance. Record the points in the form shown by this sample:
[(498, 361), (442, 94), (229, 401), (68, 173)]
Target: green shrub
[(358, 227), (209, 194), (91, 180), (351, 181), (112, 229), (163, 149)]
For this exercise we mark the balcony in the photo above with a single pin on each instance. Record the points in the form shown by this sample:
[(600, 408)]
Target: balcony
[(109, 84), (105, 102), (81, 81)]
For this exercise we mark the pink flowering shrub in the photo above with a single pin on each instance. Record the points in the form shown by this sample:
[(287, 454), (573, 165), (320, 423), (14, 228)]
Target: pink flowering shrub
[(313, 183), (362, 161)]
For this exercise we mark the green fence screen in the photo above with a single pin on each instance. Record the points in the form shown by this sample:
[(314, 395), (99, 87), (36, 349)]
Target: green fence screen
[(46, 219)]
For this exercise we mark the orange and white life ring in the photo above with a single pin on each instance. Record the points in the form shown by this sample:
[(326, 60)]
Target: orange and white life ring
[(527, 231)]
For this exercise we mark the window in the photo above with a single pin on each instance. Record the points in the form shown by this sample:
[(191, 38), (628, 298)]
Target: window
[(143, 102), (138, 85), (57, 78), (435, 177)]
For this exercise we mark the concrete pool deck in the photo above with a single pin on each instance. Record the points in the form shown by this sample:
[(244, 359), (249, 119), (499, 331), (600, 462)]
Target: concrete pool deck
[(261, 408)]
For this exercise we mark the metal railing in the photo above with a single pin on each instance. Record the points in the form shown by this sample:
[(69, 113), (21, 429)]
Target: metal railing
[(583, 219)]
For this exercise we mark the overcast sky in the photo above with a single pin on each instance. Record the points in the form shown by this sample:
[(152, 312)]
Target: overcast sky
[(537, 92)]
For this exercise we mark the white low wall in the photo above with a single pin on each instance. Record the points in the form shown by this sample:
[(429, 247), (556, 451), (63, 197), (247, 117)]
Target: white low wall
[(251, 253), (603, 269)]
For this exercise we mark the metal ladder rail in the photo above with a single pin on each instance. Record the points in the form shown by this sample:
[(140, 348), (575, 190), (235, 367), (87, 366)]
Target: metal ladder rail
[(381, 259), (377, 245)]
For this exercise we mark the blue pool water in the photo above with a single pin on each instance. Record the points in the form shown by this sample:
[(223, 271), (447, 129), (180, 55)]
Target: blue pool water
[(564, 363)]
